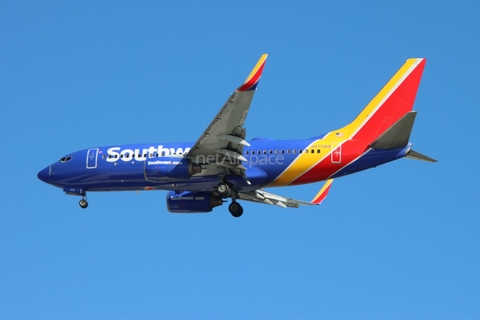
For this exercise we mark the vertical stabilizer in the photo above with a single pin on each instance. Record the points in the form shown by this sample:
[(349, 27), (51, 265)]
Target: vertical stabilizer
[(392, 103)]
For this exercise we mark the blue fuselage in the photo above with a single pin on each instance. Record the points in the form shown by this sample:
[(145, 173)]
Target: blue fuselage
[(115, 168)]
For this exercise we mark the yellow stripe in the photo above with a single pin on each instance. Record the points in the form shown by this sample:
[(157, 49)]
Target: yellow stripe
[(257, 66), (302, 163)]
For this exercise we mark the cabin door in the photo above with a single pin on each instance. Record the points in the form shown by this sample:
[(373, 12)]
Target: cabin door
[(92, 155)]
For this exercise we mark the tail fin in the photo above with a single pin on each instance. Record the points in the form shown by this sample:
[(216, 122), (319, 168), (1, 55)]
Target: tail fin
[(392, 103)]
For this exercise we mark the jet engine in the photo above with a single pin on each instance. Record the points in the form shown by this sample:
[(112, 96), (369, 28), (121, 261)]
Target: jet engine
[(192, 202), (170, 169)]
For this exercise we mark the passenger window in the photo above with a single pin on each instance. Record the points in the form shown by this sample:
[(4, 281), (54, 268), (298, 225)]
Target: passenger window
[(264, 151), (312, 151), (283, 151), (300, 151), (318, 150), (253, 151), (271, 152), (294, 151), (247, 152)]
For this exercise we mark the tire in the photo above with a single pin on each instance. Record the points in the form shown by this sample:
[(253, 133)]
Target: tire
[(83, 204), (235, 209)]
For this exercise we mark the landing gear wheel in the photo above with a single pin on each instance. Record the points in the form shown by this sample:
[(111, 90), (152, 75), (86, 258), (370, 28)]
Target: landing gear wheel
[(223, 190), (235, 209), (83, 203)]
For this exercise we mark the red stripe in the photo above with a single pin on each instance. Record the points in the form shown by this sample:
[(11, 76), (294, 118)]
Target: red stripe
[(253, 80), (325, 168)]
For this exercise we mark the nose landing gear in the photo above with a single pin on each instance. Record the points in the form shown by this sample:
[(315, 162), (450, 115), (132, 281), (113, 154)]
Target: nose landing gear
[(83, 203)]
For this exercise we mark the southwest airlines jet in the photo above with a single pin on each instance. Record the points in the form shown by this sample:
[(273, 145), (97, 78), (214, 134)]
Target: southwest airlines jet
[(222, 164)]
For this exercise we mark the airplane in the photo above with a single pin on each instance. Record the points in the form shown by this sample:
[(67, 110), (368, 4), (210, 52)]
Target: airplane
[(222, 164)]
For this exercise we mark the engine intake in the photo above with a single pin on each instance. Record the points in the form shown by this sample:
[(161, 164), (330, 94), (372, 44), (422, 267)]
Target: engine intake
[(170, 169), (192, 202)]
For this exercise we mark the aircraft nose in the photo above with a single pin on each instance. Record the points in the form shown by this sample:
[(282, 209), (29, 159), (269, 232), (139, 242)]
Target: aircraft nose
[(44, 175)]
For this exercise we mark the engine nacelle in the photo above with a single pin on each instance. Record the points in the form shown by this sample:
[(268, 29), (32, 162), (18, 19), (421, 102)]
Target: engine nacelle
[(192, 202), (170, 169)]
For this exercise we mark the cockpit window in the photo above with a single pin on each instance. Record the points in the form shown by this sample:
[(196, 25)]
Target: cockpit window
[(65, 159)]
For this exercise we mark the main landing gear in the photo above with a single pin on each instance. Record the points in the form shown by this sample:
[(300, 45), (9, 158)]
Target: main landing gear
[(225, 191), (235, 209), (83, 203)]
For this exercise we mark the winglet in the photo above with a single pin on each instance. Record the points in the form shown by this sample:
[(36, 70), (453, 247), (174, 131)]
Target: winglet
[(322, 194), (252, 79)]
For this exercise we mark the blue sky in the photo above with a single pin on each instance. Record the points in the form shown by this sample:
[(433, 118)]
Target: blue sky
[(399, 241)]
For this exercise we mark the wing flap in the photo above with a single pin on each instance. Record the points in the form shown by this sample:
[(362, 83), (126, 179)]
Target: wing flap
[(262, 196)]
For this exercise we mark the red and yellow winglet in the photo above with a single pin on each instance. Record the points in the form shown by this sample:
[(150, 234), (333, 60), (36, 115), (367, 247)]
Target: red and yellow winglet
[(322, 194), (252, 79)]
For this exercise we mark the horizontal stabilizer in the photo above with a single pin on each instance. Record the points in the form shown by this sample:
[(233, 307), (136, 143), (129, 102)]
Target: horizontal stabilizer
[(397, 135), (418, 156)]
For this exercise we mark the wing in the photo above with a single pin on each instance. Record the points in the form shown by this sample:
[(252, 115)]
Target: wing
[(223, 141), (262, 196)]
